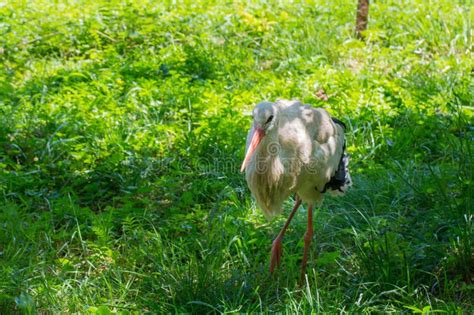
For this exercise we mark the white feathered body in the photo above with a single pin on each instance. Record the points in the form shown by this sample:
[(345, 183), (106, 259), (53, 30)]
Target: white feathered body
[(299, 156)]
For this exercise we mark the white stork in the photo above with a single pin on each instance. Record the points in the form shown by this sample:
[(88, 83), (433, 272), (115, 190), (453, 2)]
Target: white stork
[(294, 149)]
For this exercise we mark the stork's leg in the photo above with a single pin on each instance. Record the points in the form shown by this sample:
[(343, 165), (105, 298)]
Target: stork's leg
[(307, 240), (277, 249)]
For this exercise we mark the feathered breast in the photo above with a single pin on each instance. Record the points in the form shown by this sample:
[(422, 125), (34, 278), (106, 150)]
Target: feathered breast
[(267, 177)]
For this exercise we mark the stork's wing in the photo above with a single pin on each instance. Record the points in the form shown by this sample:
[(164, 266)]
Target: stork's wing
[(325, 128), (331, 135)]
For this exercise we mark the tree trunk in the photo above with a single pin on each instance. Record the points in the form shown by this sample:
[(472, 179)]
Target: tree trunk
[(362, 17)]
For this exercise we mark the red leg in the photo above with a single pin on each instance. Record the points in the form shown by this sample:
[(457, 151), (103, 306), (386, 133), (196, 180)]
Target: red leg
[(307, 240), (277, 249)]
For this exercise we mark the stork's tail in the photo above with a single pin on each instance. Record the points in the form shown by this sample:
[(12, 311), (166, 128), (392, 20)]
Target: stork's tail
[(341, 181)]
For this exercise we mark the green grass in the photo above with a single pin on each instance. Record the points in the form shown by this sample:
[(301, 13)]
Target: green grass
[(122, 130)]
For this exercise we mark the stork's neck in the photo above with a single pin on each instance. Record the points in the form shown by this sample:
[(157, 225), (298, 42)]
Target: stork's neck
[(269, 144)]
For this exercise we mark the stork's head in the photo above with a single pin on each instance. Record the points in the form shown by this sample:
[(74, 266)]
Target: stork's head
[(265, 115)]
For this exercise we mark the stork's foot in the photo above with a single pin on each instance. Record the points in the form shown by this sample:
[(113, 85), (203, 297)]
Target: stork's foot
[(277, 252)]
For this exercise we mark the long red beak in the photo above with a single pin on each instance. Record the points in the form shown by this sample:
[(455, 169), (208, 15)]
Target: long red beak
[(257, 136)]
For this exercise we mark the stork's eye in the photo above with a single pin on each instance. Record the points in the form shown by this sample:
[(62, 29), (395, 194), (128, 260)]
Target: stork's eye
[(269, 119)]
